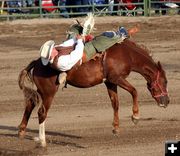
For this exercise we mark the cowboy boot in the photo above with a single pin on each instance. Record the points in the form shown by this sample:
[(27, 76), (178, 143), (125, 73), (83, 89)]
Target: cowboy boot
[(122, 32)]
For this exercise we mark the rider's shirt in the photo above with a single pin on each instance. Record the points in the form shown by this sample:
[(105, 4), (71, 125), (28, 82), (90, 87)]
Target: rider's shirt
[(66, 62)]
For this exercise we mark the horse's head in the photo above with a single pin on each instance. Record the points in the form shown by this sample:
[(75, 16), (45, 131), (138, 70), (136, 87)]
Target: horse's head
[(158, 87)]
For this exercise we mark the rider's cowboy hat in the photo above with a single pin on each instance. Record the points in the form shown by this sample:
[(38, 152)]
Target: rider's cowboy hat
[(45, 51)]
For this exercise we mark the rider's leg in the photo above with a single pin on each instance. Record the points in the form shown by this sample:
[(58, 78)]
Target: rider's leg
[(122, 32)]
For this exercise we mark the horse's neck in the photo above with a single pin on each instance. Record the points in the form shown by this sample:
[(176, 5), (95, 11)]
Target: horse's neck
[(148, 70), (146, 67), (150, 74), (141, 61)]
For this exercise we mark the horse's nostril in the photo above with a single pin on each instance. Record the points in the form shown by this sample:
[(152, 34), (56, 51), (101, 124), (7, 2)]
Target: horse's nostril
[(164, 100)]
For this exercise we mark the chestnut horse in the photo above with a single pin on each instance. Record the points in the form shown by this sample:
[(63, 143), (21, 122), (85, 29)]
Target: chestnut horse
[(112, 68)]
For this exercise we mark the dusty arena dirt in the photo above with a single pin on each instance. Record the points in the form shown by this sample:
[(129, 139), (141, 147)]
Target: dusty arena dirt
[(80, 120)]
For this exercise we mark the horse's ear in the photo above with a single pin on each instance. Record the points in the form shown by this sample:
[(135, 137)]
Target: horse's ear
[(159, 65)]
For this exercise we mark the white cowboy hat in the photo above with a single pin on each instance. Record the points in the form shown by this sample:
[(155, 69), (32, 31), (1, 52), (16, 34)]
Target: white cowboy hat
[(45, 51)]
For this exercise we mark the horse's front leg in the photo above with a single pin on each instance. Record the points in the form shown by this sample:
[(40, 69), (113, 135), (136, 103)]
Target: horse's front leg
[(112, 91), (127, 86)]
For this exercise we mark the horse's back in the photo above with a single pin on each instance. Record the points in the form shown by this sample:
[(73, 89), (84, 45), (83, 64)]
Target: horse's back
[(115, 62), (118, 59), (87, 75)]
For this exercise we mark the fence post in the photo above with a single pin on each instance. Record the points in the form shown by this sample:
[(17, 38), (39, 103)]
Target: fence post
[(93, 8), (149, 7), (146, 8), (2, 7), (40, 8)]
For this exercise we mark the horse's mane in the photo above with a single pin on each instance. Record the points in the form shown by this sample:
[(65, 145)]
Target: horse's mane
[(140, 49)]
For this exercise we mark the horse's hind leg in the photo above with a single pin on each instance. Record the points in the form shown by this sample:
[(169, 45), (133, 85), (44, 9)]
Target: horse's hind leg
[(112, 91), (42, 114), (28, 110), (127, 86)]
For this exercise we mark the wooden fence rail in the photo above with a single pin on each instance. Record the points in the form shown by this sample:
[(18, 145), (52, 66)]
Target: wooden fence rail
[(144, 8)]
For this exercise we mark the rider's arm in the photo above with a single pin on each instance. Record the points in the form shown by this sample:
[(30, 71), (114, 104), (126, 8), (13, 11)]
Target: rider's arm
[(68, 43), (66, 62), (77, 53)]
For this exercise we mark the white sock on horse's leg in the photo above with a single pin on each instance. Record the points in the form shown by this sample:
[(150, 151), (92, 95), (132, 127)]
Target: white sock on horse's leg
[(42, 134), (41, 138)]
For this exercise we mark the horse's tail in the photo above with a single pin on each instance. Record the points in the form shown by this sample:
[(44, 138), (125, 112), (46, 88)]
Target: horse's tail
[(30, 94), (24, 74)]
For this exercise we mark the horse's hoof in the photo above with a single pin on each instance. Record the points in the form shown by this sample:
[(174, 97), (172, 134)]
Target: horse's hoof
[(36, 139), (135, 119), (116, 131), (21, 134), (41, 143)]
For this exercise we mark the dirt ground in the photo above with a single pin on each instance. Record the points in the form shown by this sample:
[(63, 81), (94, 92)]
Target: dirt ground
[(80, 120)]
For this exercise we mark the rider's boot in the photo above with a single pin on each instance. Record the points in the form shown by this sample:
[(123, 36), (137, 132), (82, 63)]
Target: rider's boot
[(122, 32)]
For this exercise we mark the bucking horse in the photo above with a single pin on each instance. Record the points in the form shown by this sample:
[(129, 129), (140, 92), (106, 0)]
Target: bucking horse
[(112, 69)]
